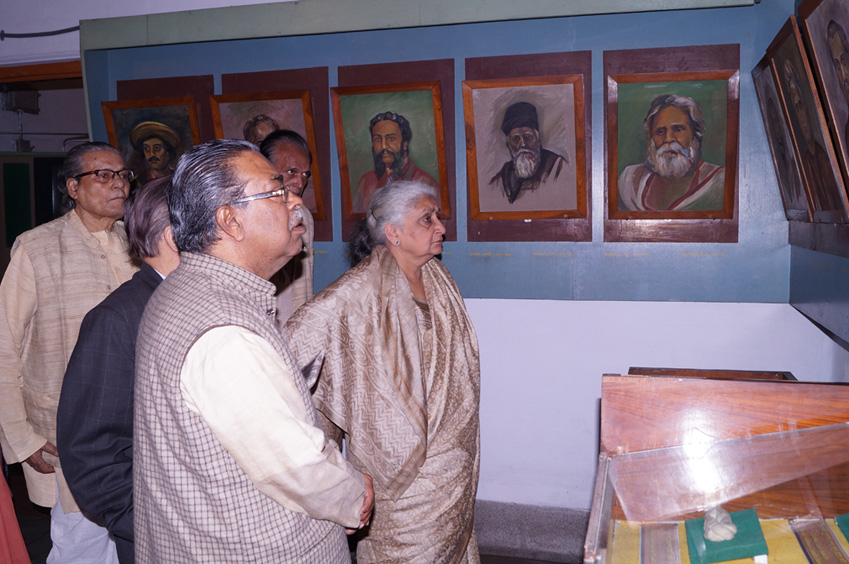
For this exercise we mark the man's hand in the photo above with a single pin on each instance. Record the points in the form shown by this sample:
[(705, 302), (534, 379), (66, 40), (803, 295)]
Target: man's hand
[(368, 504), (37, 461)]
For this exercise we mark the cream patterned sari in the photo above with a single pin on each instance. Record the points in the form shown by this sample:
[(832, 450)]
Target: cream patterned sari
[(402, 380)]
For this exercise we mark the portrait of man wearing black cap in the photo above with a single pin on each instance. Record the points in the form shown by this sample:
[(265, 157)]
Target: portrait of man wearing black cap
[(531, 170), (155, 150)]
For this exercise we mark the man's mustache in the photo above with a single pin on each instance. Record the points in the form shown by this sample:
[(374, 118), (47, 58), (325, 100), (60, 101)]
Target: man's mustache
[(673, 147), (153, 160), (296, 217)]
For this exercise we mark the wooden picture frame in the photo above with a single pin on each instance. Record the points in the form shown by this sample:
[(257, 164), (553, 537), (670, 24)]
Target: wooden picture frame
[(200, 87), (234, 116), (684, 100), (314, 80), (130, 122), (803, 111), (553, 108), (419, 105), (825, 26), (794, 197), (524, 68)]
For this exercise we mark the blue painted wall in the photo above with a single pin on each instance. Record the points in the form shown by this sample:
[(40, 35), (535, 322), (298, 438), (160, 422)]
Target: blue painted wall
[(819, 288), (756, 269)]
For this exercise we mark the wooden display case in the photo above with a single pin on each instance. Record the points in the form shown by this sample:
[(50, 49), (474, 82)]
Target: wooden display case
[(672, 447)]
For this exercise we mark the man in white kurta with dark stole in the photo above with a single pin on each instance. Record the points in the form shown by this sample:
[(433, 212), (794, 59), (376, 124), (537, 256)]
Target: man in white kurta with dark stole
[(231, 463), (401, 378)]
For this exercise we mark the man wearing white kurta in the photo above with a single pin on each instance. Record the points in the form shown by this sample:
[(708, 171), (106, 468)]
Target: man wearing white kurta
[(58, 272)]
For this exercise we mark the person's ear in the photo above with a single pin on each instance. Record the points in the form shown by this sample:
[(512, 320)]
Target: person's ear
[(229, 222), (168, 236), (392, 234), (72, 185)]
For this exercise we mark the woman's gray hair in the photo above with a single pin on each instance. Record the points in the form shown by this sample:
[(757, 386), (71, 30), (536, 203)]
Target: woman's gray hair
[(390, 204), (204, 180)]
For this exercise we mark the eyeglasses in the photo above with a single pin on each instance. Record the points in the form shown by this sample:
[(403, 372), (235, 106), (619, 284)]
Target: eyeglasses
[(283, 192), (104, 175)]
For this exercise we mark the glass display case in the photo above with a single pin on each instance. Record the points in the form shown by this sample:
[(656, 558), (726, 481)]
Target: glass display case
[(672, 447)]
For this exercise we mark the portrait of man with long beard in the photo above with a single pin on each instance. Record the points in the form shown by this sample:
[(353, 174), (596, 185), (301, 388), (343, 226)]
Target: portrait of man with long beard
[(673, 176), (525, 152), (531, 167)]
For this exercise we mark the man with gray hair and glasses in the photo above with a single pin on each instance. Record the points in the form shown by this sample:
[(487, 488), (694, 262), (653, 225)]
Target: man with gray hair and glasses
[(231, 461), (57, 273)]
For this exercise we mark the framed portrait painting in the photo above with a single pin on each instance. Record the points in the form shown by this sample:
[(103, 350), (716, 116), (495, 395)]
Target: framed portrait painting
[(253, 116), (804, 114), (550, 95), (671, 144), (152, 134), (793, 194), (525, 147), (386, 133), (826, 29)]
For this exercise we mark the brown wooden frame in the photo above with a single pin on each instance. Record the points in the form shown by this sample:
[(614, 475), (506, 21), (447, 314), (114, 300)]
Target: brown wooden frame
[(678, 64), (578, 159), (788, 44), (567, 63), (811, 13), (42, 71), (216, 101), (338, 93), (766, 89), (316, 81), (711, 373), (149, 110)]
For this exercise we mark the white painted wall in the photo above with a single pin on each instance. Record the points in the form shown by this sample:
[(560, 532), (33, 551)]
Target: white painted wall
[(542, 362)]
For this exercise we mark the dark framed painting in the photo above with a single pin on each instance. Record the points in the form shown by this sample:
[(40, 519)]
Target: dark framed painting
[(253, 116), (825, 24), (671, 126), (385, 133), (152, 134), (793, 194), (525, 147), (314, 80), (803, 111)]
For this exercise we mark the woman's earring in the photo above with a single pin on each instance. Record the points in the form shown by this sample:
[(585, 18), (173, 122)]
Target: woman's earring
[(397, 242)]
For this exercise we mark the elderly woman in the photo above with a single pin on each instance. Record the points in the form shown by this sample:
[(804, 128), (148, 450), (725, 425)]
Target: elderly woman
[(401, 379)]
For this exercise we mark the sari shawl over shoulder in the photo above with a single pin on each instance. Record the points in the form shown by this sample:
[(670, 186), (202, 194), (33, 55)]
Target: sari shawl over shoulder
[(378, 367)]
